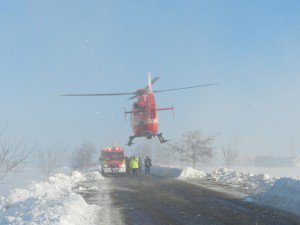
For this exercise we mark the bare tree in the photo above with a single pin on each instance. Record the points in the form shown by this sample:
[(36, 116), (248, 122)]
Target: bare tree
[(229, 155), (50, 159), (195, 148), (82, 157), (12, 155)]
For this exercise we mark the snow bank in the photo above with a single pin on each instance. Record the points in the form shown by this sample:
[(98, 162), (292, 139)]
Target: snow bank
[(284, 194), (190, 173), (281, 193), (175, 172), (51, 202), (247, 181)]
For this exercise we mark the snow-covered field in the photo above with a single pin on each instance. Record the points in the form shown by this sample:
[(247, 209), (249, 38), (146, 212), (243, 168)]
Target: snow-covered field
[(55, 200)]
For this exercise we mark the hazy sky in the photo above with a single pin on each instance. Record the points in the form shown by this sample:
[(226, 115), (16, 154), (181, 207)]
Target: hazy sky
[(252, 48)]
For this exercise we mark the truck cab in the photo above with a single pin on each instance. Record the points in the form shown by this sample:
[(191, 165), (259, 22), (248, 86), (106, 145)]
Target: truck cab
[(112, 161)]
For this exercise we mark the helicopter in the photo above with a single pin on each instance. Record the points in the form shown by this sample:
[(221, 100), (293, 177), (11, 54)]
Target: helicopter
[(144, 113)]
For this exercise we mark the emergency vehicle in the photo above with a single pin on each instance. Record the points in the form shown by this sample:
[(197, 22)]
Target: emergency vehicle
[(112, 161)]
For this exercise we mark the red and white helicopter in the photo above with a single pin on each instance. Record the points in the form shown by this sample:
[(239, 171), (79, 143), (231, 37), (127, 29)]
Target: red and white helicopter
[(144, 113)]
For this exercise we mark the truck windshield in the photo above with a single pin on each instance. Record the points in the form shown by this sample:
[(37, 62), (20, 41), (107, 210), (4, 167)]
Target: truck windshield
[(112, 155)]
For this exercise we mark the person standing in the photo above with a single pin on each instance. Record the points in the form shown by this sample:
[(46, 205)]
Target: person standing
[(127, 161), (147, 165), (140, 165), (134, 163)]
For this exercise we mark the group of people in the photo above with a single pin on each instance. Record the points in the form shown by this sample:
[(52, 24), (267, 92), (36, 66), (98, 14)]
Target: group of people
[(134, 165)]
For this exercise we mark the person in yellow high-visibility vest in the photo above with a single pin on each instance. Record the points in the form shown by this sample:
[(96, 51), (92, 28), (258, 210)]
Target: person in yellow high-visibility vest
[(134, 163)]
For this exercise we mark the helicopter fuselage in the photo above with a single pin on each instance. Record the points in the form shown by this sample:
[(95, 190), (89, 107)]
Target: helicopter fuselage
[(144, 116)]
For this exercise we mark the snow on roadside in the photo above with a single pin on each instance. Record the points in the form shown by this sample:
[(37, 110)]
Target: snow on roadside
[(176, 172), (51, 202), (247, 181), (190, 173), (283, 194)]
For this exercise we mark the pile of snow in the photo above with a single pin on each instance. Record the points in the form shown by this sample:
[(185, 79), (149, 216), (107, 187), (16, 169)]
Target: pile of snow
[(247, 181), (175, 172), (51, 202), (190, 173), (92, 169), (281, 193), (284, 194)]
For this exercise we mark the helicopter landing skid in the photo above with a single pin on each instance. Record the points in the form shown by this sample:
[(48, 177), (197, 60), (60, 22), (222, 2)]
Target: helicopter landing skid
[(161, 139), (130, 140)]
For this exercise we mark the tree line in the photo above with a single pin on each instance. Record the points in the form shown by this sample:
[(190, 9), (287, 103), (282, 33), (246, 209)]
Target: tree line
[(14, 153), (194, 148)]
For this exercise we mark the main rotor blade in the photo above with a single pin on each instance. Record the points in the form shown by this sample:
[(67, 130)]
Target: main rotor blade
[(174, 89), (154, 80), (133, 97), (108, 94)]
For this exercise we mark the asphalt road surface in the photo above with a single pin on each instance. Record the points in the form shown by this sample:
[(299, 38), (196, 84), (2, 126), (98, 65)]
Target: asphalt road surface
[(150, 200)]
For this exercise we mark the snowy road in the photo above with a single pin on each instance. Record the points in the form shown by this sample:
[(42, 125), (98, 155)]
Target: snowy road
[(151, 200)]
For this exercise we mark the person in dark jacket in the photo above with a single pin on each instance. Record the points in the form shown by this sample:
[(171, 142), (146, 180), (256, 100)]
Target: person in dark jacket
[(140, 164), (127, 160), (147, 164)]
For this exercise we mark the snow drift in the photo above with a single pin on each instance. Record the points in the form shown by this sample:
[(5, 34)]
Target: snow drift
[(190, 173), (51, 202), (283, 194), (175, 172), (247, 181), (56, 201)]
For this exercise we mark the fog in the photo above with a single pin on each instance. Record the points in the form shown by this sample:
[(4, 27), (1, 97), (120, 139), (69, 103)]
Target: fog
[(250, 49)]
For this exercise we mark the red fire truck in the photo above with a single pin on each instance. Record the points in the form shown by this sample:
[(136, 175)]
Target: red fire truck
[(113, 161)]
